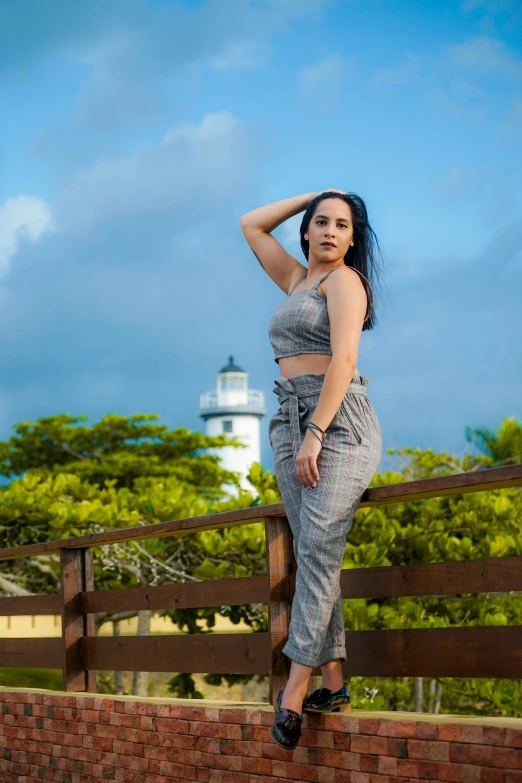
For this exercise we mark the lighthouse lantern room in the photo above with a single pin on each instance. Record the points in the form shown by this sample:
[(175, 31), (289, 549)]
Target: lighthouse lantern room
[(234, 409)]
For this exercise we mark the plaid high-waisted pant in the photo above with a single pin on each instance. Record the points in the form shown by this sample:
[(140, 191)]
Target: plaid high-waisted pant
[(320, 517)]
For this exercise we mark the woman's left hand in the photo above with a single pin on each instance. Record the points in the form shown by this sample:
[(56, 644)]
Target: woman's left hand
[(306, 461)]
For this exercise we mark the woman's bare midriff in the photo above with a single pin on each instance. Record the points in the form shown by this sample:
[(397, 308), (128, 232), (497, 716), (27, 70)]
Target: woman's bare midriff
[(305, 364)]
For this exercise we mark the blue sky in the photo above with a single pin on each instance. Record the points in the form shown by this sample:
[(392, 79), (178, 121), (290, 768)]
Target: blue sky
[(136, 132)]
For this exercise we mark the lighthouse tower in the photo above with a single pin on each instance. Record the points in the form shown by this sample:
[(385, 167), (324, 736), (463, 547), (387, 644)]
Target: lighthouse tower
[(234, 409)]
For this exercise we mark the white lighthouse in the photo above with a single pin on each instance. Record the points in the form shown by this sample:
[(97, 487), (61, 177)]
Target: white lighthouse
[(234, 409)]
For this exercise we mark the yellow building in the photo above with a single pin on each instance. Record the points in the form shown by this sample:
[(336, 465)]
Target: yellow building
[(34, 626)]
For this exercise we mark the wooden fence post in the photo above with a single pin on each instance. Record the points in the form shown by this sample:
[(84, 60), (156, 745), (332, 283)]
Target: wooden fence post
[(280, 567), (76, 577)]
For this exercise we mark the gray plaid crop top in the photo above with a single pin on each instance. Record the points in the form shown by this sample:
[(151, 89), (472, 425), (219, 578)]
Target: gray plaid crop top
[(301, 323)]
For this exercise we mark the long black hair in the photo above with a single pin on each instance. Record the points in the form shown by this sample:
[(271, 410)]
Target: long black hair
[(362, 256)]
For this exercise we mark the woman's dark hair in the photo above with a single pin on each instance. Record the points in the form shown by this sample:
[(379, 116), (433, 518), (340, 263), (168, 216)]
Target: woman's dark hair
[(362, 256)]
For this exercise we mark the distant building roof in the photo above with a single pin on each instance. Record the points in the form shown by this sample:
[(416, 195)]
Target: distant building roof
[(231, 367)]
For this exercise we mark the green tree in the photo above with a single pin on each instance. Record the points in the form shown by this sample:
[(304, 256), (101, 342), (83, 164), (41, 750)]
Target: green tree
[(503, 447), (122, 473)]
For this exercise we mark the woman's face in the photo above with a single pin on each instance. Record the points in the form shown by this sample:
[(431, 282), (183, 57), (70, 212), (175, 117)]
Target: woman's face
[(330, 223)]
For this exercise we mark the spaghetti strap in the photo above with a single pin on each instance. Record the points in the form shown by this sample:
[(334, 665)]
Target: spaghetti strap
[(369, 292), (296, 284), (315, 287)]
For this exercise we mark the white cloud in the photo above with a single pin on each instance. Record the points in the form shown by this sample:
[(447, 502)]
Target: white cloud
[(489, 192), (509, 126), (22, 218), (241, 54), (397, 74), (486, 55), (326, 76), (324, 85), (193, 168), (290, 233)]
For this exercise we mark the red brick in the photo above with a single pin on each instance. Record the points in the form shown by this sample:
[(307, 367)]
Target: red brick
[(340, 741), (447, 771), (244, 748), (288, 769), (90, 716), (470, 774), (492, 775), (470, 733), (397, 747), (512, 776), (332, 722), (270, 750), (134, 762), (352, 761), (267, 719), (507, 758), (98, 743), (175, 725), (220, 730), (174, 740), (325, 775), (482, 754), (257, 765), (207, 744), (387, 728), (343, 776), (387, 765), (428, 750), (459, 752), (379, 745), (301, 755), (325, 739), (368, 726), (494, 735), (427, 769), (513, 738), (449, 731), (229, 762), (368, 763), (425, 730), (103, 704), (229, 716), (360, 744), (318, 756), (360, 777), (194, 758), (407, 768), (222, 776), (405, 728), (127, 748), (158, 753)]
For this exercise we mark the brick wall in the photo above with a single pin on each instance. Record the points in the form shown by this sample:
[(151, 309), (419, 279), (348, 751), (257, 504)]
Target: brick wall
[(46, 735)]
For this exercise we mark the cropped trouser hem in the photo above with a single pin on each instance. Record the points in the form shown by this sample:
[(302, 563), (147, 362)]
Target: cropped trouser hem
[(330, 654)]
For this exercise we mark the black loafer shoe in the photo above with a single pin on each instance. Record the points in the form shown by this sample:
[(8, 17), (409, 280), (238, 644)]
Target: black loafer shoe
[(286, 728), (324, 700)]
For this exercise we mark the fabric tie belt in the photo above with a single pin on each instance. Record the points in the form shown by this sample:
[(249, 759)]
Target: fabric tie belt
[(298, 409)]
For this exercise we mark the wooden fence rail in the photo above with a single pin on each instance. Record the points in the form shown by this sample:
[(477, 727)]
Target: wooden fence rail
[(445, 652)]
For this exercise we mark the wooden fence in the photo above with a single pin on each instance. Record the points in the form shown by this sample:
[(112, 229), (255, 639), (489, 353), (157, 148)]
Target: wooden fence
[(434, 652)]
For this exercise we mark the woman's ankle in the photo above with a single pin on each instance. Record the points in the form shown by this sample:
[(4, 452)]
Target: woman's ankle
[(332, 683)]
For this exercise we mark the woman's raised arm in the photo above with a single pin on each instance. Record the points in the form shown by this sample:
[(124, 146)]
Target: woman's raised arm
[(256, 225)]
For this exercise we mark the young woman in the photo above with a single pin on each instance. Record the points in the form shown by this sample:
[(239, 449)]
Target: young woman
[(325, 434)]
